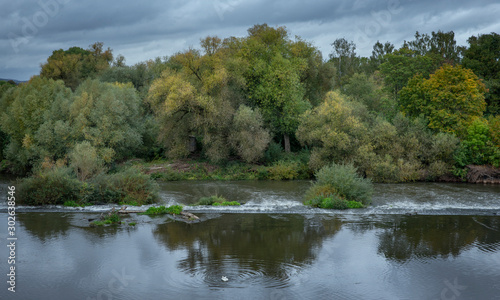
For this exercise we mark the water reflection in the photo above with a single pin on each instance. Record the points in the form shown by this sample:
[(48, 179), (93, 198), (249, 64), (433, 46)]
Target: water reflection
[(46, 226), (265, 256), (438, 236), (275, 246)]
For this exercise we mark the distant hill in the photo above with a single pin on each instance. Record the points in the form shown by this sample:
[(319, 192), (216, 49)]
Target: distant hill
[(16, 81)]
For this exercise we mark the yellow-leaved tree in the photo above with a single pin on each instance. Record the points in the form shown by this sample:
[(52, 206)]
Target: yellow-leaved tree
[(450, 99)]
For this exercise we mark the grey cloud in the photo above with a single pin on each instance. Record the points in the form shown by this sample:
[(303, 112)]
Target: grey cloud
[(142, 30)]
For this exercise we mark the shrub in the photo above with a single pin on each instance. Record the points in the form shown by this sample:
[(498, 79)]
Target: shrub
[(113, 218), (72, 203), (227, 203), (128, 186), (437, 169), (321, 191), (354, 204), (54, 186), (85, 161), (210, 200), (315, 201), (346, 182), (477, 148), (383, 170), (169, 175), (334, 202), (216, 201), (283, 170), (335, 129), (273, 153), (174, 210)]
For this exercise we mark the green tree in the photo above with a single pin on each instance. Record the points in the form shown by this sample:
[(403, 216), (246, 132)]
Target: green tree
[(402, 65), (280, 96), (248, 137), (76, 64), (141, 75), (450, 99), (344, 59), (34, 117), (317, 77), (440, 46), (334, 129), (4, 137), (379, 53), (367, 90), (483, 57), (478, 148), (109, 116), (183, 110), (274, 81)]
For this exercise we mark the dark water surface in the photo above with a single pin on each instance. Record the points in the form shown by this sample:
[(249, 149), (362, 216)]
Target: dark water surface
[(270, 248)]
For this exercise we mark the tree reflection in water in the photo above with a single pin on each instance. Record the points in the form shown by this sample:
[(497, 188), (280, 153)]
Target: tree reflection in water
[(45, 226), (267, 244), (438, 236)]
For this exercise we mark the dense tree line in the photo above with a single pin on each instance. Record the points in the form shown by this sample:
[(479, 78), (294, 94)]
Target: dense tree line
[(417, 112)]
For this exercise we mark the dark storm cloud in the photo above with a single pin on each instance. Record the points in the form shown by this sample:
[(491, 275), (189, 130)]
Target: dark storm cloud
[(31, 30)]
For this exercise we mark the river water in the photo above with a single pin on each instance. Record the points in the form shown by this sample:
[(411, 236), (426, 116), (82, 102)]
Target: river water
[(417, 241)]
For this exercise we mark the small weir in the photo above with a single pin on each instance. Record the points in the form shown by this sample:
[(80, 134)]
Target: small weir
[(287, 197)]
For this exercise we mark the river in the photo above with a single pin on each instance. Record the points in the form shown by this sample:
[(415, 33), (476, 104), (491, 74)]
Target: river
[(416, 241)]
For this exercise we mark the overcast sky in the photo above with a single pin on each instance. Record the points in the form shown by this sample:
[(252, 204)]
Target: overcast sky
[(141, 30)]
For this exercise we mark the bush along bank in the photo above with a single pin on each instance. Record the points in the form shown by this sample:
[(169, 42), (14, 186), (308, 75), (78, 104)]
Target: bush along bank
[(293, 167), (338, 186), (59, 186)]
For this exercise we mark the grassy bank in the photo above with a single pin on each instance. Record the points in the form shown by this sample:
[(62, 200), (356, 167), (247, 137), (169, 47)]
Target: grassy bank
[(170, 170)]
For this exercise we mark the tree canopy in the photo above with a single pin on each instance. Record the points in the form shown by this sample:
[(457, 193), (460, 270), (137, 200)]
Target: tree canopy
[(450, 99), (76, 64)]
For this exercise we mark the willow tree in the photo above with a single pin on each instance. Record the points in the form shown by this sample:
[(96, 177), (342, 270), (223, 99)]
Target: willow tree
[(334, 129), (108, 116), (191, 102), (248, 137), (34, 116)]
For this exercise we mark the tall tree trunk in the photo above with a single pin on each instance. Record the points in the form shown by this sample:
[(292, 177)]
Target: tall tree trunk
[(286, 139)]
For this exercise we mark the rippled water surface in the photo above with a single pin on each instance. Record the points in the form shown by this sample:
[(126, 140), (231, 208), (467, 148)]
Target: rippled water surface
[(269, 248)]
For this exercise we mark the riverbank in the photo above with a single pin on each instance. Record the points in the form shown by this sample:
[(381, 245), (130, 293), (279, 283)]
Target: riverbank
[(190, 169)]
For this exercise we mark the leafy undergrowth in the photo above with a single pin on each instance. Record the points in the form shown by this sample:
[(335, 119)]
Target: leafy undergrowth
[(72, 203), (160, 210), (333, 202), (216, 201), (113, 218), (285, 169)]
